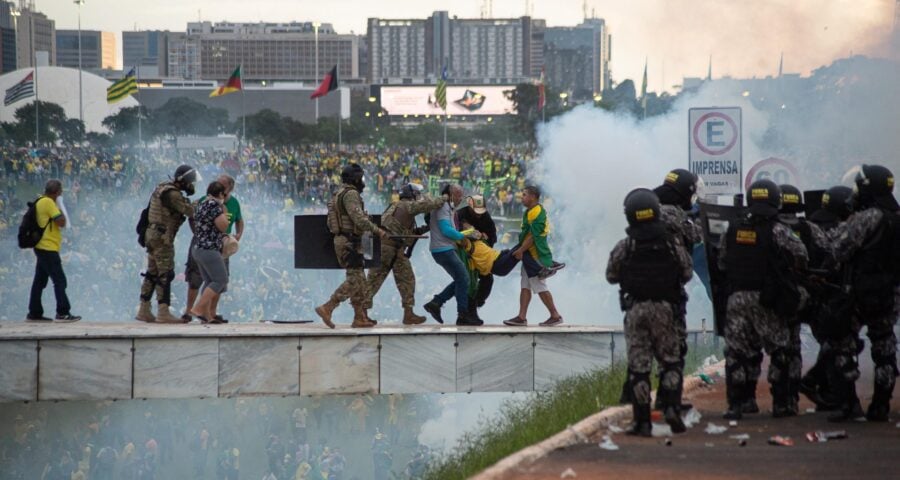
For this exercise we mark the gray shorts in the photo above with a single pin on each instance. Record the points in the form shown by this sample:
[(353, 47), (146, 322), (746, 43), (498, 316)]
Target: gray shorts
[(212, 269)]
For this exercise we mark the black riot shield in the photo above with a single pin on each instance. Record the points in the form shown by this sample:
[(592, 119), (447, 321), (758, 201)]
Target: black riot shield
[(314, 243), (812, 201), (715, 220)]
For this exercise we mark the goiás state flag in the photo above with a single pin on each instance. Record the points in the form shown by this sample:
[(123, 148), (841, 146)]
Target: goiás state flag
[(329, 83), (122, 88), (234, 84), (23, 89)]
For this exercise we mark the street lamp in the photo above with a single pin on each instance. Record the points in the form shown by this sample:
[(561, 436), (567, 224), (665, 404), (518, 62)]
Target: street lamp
[(316, 26), (80, 91), (562, 97)]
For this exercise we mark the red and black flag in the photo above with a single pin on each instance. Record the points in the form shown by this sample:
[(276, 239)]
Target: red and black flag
[(329, 83)]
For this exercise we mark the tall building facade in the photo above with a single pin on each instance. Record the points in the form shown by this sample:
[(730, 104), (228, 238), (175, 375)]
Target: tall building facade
[(577, 58), (98, 49), (266, 51), (146, 51), (472, 50), (7, 37), (35, 37)]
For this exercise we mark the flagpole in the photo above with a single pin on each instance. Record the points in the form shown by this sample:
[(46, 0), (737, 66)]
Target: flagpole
[(137, 78), (243, 110), (37, 117), (445, 130)]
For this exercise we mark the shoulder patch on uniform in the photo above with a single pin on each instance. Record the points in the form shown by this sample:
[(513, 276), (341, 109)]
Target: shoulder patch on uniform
[(746, 237)]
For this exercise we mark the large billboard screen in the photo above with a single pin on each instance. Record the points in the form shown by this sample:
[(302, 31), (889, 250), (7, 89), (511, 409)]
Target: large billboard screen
[(461, 100)]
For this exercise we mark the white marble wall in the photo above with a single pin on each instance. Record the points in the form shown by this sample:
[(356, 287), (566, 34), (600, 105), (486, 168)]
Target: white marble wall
[(418, 364), (557, 356), (176, 368), (18, 370), (332, 365), (96, 369), (259, 366), (495, 363)]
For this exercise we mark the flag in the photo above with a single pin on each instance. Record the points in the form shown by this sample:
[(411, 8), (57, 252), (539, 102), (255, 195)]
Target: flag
[(122, 88), (440, 92), (23, 89), (644, 88), (234, 84), (542, 99), (329, 83)]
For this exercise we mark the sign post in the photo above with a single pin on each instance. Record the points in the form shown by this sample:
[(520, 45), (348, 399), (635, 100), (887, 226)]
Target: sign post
[(715, 148)]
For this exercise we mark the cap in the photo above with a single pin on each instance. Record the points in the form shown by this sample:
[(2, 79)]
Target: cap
[(477, 204)]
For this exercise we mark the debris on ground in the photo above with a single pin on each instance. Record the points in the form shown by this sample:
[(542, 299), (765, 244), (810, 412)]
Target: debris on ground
[(710, 444), (781, 441), (740, 436), (568, 473), (706, 379), (710, 361), (822, 437), (668, 442), (691, 418), (732, 423), (810, 410), (661, 430), (607, 444), (713, 429), (615, 429)]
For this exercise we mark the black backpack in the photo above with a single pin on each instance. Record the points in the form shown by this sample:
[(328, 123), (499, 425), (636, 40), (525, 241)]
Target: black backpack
[(30, 233), (143, 223)]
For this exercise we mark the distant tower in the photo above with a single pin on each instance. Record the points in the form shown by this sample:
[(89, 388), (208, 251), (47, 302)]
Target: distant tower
[(895, 32)]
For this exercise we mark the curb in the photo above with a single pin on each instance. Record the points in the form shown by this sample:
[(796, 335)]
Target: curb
[(574, 434)]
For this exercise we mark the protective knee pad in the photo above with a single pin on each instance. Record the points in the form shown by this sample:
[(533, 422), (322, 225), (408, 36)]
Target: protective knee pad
[(735, 380), (640, 387), (845, 367), (885, 371), (670, 382), (165, 282), (779, 369)]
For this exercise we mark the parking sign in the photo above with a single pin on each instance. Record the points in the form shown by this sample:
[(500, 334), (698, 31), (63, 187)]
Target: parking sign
[(715, 148)]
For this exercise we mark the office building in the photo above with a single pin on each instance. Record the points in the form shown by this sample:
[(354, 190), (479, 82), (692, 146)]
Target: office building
[(98, 49)]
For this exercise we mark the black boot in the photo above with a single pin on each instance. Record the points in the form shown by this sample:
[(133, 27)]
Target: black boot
[(641, 426), (734, 392), (750, 405), (673, 418), (782, 405), (851, 410), (880, 407), (434, 309), (468, 319), (626, 397)]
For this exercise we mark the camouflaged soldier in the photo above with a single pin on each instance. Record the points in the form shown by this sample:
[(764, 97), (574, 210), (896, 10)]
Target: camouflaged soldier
[(168, 209), (400, 219), (869, 243), (350, 222), (819, 250), (651, 266), (759, 256)]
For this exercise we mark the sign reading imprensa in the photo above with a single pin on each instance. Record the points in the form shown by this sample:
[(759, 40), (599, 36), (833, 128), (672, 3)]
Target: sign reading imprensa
[(714, 136)]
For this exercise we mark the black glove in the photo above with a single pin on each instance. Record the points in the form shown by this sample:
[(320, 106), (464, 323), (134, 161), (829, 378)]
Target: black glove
[(421, 230)]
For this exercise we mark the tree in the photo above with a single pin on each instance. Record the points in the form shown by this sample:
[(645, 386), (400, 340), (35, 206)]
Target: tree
[(123, 125), (183, 116), (52, 120), (525, 99), (71, 131)]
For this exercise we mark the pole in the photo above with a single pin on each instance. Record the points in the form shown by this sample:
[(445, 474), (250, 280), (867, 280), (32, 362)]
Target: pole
[(137, 76), (37, 117), (445, 131), (316, 33), (243, 112), (80, 72)]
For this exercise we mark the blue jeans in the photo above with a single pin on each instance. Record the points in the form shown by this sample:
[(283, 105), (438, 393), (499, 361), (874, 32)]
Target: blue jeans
[(459, 287), (49, 267)]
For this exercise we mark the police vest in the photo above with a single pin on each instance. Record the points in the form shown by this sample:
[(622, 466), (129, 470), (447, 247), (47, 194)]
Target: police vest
[(877, 264), (397, 219), (748, 247), (159, 214), (651, 270), (825, 220), (804, 231)]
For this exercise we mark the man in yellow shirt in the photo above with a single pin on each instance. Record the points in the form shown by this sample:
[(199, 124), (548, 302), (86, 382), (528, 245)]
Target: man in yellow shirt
[(49, 265)]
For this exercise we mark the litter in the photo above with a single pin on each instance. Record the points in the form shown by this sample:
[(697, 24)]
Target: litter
[(732, 423), (668, 442), (810, 410), (713, 429), (710, 444), (781, 441), (822, 437), (706, 379), (740, 436), (661, 430), (691, 418), (615, 429), (568, 473), (607, 444), (710, 361), (742, 443)]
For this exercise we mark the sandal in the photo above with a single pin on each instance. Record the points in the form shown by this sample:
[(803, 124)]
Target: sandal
[(220, 319)]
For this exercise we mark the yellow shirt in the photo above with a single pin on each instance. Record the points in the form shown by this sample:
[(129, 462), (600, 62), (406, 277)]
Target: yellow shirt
[(483, 257), (47, 211)]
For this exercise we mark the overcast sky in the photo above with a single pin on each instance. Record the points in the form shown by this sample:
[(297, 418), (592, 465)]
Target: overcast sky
[(744, 37)]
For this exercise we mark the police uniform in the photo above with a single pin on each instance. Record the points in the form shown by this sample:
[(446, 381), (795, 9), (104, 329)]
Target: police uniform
[(400, 219), (353, 221), (868, 242), (167, 212), (749, 254), (651, 266)]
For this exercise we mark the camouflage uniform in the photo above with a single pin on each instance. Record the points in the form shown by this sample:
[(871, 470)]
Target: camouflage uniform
[(848, 241), (354, 221), (752, 328), (168, 210), (399, 219), (651, 328)]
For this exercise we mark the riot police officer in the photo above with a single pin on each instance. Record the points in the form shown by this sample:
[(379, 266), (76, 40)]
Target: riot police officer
[(400, 219), (760, 256), (168, 209), (869, 243), (651, 266), (348, 220)]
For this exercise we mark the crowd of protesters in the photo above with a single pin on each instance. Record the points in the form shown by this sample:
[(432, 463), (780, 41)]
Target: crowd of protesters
[(105, 189)]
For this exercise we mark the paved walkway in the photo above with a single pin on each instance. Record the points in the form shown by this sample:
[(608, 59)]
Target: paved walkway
[(871, 451)]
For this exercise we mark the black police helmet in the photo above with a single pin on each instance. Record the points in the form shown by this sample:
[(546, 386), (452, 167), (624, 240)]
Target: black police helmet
[(839, 201), (642, 213), (352, 173), (791, 199), (764, 198), (408, 192), (679, 188), (185, 174), (875, 185)]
